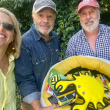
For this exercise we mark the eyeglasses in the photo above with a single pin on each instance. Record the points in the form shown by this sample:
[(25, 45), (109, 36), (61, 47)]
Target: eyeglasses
[(8, 26)]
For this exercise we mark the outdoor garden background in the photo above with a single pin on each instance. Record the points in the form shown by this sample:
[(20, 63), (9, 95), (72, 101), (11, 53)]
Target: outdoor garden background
[(66, 24)]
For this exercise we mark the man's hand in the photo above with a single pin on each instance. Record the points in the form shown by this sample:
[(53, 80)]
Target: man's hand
[(54, 106), (37, 106)]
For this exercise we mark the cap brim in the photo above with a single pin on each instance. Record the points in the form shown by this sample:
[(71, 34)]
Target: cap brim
[(45, 7), (86, 5)]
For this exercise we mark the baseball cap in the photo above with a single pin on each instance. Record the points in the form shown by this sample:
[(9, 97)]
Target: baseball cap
[(93, 3), (40, 4)]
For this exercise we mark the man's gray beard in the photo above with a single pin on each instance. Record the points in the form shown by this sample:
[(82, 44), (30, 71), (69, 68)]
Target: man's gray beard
[(92, 28), (40, 31)]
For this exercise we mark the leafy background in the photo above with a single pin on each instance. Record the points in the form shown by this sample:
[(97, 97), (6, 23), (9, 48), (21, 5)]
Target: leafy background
[(66, 24), (67, 21)]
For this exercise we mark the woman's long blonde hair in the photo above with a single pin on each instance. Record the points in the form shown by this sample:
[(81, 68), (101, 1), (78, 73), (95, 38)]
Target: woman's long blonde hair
[(17, 35)]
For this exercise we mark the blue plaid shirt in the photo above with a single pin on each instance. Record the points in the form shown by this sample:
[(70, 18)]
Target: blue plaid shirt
[(79, 45)]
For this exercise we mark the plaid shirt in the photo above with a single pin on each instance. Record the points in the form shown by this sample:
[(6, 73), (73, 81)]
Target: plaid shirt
[(79, 45)]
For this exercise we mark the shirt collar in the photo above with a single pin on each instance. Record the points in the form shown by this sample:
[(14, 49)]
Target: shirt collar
[(83, 34), (100, 29), (11, 58)]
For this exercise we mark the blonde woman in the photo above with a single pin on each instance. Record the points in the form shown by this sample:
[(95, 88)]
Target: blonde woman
[(10, 41)]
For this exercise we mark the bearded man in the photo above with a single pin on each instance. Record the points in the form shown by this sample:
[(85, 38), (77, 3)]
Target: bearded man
[(94, 38), (40, 50)]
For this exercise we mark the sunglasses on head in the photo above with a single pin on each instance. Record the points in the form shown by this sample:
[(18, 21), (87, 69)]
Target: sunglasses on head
[(7, 26)]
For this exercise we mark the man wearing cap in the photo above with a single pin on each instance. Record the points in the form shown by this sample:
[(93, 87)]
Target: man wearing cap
[(94, 38), (40, 50)]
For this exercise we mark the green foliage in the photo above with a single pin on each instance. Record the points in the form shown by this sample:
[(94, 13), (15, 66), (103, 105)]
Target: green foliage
[(18, 95), (24, 15), (105, 5), (22, 10), (67, 22), (105, 11)]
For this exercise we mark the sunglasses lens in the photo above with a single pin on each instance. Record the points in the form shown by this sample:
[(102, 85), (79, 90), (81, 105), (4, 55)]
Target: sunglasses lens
[(8, 26)]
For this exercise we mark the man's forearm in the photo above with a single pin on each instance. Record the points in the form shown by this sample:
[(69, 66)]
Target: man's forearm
[(37, 106)]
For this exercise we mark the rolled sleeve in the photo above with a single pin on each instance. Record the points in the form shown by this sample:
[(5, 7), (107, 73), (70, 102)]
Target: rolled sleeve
[(31, 97)]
